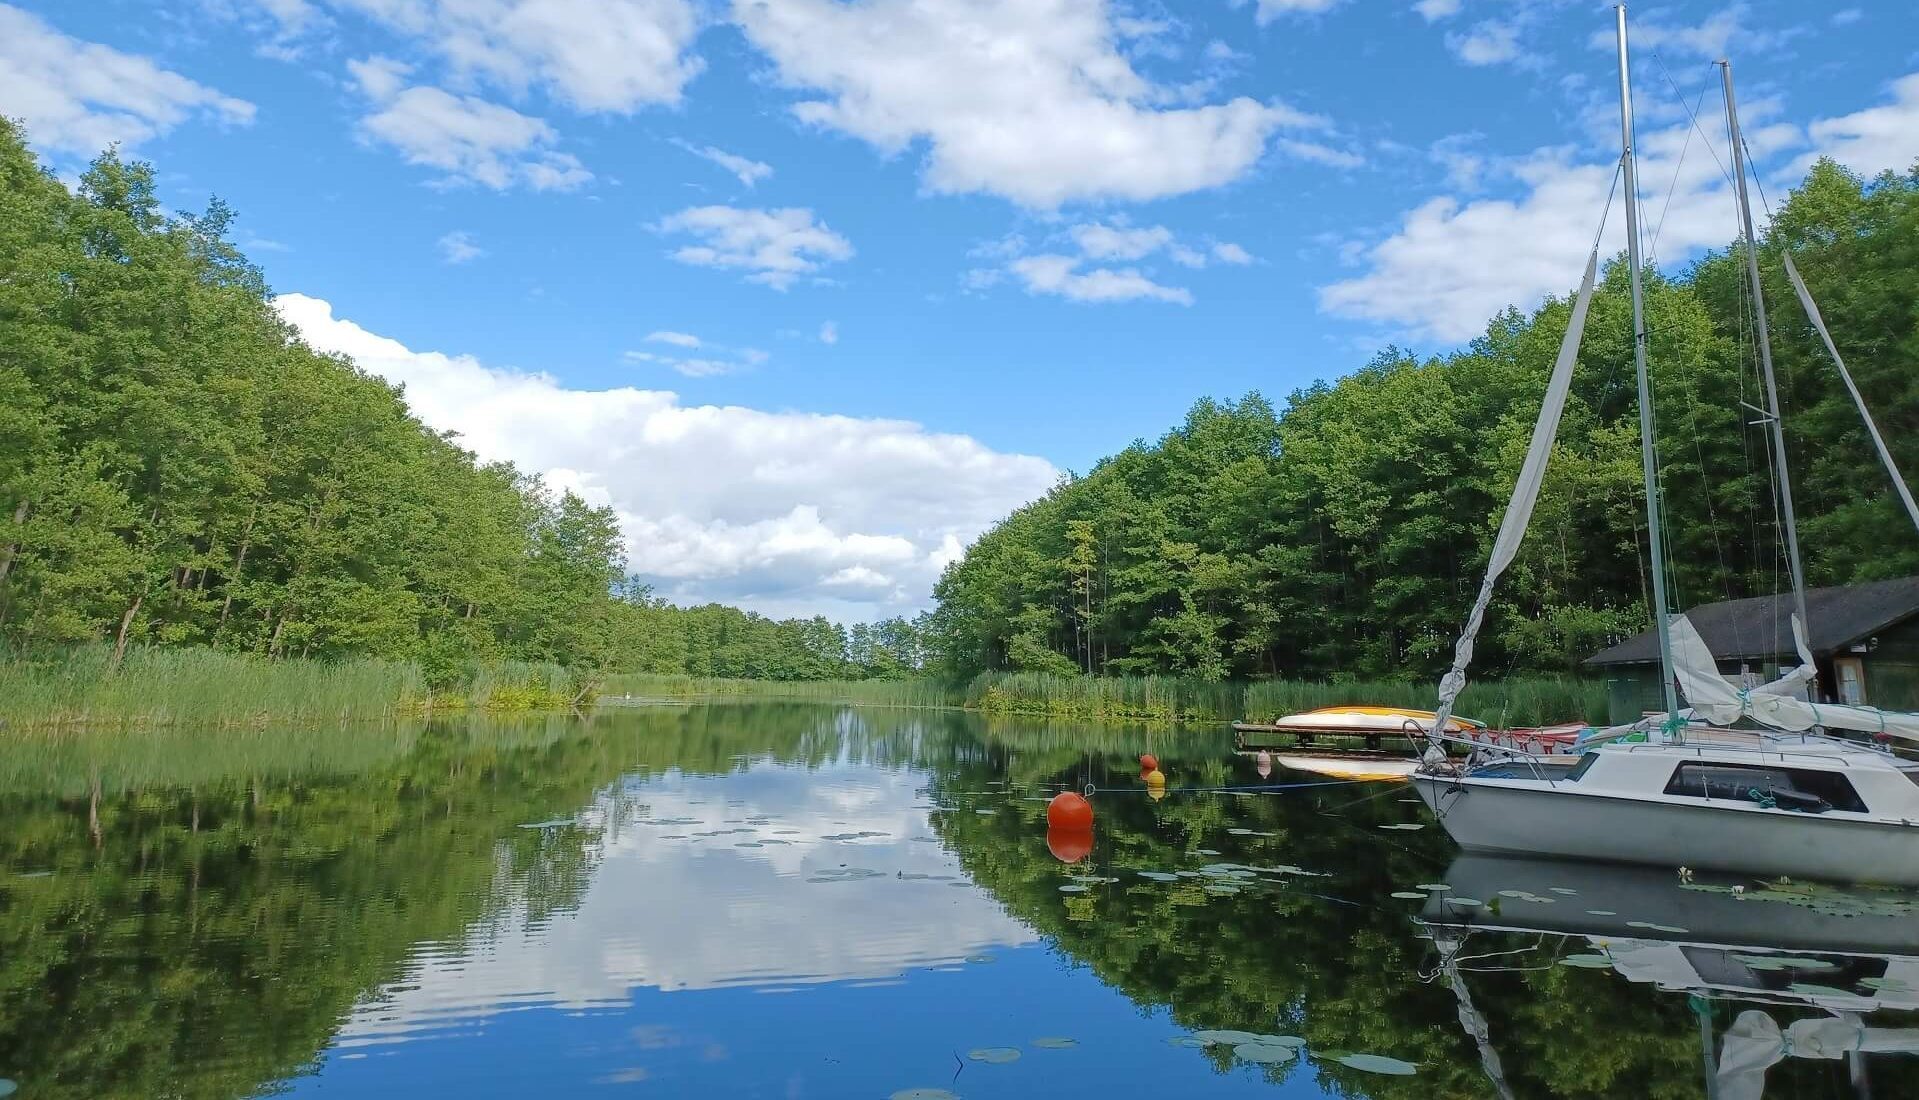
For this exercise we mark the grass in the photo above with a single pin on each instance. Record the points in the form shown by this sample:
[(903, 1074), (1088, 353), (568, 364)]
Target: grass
[(78, 687), (1519, 701), (203, 687), (1522, 701), (886, 693)]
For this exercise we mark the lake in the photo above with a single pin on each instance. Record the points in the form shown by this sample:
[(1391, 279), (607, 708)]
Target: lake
[(778, 900)]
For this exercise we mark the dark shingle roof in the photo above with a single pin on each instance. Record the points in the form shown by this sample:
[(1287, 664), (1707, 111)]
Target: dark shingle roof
[(1761, 627)]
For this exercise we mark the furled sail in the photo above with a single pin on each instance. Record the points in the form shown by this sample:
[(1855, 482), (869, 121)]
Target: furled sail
[(1720, 702), (1755, 1043), (1819, 323), (1519, 512)]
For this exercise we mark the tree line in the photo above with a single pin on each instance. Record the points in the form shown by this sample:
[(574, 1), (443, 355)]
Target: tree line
[(178, 468), (1346, 533)]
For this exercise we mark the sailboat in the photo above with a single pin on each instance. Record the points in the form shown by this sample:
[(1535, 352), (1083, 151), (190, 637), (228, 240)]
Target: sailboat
[(1746, 780)]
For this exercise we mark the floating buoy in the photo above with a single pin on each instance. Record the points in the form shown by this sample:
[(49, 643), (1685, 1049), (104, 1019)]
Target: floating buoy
[(1069, 845), (1156, 780), (1263, 763), (1156, 792), (1148, 764), (1069, 813)]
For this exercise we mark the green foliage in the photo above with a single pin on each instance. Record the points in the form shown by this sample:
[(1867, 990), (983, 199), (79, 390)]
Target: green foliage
[(647, 687), (1515, 701), (1344, 535)]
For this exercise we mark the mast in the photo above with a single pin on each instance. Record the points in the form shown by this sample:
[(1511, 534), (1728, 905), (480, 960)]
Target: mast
[(1765, 353), (1660, 613)]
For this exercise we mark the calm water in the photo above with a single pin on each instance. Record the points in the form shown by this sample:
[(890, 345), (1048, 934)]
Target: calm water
[(793, 901)]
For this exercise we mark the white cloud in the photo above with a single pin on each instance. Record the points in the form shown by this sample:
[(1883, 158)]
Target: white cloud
[(1846, 17), (1724, 31), (1320, 154), (775, 247), (762, 507), (1227, 252), (748, 170), (1107, 242), (1051, 273), (1877, 139), (1488, 43), (1270, 10), (469, 139), (459, 247), (80, 97), (677, 339), (596, 55), (829, 332), (1028, 99), (1435, 10), (1452, 265)]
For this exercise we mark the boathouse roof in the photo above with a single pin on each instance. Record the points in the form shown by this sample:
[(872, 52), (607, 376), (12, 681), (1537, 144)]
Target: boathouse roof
[(1760, 628)]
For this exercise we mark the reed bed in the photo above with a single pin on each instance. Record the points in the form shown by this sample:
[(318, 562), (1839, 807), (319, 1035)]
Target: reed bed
[(1519, 701), (203, 687), (886, 693)]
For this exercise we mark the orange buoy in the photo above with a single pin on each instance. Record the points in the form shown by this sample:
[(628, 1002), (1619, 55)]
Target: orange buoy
[(1148, 764), (1069, 813), (1069, 845)]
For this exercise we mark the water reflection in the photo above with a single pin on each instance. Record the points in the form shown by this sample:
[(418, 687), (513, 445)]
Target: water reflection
[(815, 901), (1802, 971)]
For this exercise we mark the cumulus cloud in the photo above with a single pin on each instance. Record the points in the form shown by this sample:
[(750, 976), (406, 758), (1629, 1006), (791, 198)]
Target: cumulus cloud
[(1084, 274), (829, 332), (1435, 10), (1488, 43), (1033, 100), (677, 339), (467, 138), (79, 97), (459, 247), (774, 247), (1453, 264), (761, 508), (1877, 139), (748, 171), (595, 55), (1270, 10)]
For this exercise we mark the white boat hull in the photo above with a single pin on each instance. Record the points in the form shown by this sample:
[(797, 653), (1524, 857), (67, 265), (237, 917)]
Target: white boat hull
[(1532, 819)]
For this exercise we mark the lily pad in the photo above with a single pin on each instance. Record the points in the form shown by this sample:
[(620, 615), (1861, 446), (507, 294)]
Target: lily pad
[(1434, 887), (996, 1056), (1587, 962), (1405, 826), (1185, 1041), (1566, 890), (1814, 989), (1378, 1063), (1409, 895), (1074, 888), (1887, 985), (1055, 1042), (1671, 929), (7, 1088), (1788, 962), (1159, 876), (1601, 913), (1228, 1038), (1264, 1053)]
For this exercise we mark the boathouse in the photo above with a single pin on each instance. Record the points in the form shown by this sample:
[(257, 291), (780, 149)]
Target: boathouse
[(1864, 640)]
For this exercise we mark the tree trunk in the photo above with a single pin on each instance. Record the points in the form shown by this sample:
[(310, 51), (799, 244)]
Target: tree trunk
[(239, 561), (7, 552), (126, 621), (273, 644)]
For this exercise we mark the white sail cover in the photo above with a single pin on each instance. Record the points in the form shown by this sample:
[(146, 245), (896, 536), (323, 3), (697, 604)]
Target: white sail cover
[(1519, 512), (1755, 1043), (1719, 701)]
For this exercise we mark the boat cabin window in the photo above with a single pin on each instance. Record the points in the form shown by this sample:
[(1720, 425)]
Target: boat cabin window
[(1802, 789), (1585, 765)]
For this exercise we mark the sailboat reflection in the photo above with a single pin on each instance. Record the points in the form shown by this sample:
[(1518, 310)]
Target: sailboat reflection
[(1842, 955)]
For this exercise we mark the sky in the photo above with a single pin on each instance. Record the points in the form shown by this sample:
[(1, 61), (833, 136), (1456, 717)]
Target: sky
[(812, 292)]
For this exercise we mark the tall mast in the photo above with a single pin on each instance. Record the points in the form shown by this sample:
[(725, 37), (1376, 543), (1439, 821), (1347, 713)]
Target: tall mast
[(1765, 353), (1660, 612)]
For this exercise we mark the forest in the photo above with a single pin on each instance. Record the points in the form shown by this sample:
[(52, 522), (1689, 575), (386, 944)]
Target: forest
[(1345, 533), (178, 469)]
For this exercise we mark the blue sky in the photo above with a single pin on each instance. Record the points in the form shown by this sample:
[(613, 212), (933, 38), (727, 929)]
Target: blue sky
[(812, 291)]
